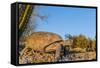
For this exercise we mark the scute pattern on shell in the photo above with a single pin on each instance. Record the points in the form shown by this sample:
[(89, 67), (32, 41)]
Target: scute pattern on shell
[(38, 40)]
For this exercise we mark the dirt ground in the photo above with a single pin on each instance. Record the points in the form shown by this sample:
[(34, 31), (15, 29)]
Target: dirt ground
[(36, 57)]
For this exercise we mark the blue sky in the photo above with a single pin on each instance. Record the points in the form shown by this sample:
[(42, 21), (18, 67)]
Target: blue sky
[(67, 20)]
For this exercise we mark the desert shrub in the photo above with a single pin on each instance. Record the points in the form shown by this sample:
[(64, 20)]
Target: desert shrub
[(80, 41)]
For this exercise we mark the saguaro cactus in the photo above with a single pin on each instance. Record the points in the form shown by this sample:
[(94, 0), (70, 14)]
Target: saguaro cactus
[(24, 15)]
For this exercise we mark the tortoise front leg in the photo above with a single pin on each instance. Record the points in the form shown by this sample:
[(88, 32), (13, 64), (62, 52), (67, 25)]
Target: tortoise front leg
[(57, 53)]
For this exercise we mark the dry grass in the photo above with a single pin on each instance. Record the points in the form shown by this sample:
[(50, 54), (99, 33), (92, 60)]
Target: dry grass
[(78, 50), (36, 57)]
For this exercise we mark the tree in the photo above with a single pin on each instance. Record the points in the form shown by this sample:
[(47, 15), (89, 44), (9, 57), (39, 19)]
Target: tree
[(68, 36)]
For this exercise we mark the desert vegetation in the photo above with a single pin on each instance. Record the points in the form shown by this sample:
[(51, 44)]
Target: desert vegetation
[(41, 47)]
